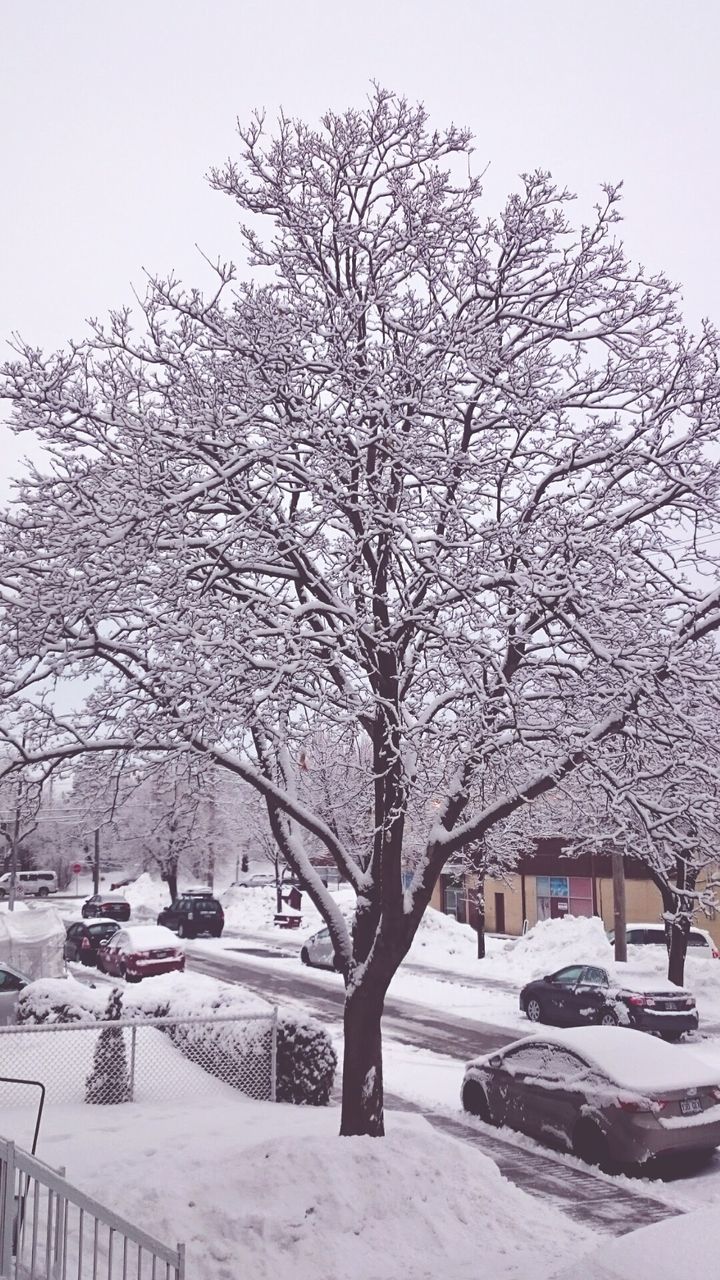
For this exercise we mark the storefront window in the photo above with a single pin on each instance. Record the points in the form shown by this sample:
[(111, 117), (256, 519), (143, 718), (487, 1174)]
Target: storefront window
[(563, 895)]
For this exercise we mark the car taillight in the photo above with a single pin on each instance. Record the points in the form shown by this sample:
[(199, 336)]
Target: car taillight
[(647, 1002), (716, 954), (715, 1092), (85, 944)]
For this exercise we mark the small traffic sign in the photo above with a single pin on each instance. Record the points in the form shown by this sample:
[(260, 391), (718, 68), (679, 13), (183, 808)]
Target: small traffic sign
[(76, 868)]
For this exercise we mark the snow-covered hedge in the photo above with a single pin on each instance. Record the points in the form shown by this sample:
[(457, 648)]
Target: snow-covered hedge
[(306, 1058)]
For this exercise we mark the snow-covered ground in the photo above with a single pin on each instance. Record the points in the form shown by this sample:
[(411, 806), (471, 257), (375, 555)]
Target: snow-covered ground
[(299, 1194)]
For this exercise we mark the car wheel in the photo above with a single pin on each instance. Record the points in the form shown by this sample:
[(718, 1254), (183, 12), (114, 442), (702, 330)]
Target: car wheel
[(304, 955), (671, 1036), (534, 1010), (608, 1018), (590, 1145), (474, 1101)]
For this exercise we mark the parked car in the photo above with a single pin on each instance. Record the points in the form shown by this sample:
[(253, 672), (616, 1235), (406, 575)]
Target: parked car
[(255, 880), (700, 942), (193, 912), (83, 940), (609, 1095), (110, 905), (141, 951), (579, 994), (12, 982), (39, 883), (318, 951)]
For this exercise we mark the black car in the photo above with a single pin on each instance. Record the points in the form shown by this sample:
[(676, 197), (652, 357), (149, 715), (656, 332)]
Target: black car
[(194, 912), (581, 994), (83, 940), (111, 906)]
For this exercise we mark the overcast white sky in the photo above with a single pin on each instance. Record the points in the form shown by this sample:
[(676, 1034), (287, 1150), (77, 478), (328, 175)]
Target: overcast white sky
[(111, 114)]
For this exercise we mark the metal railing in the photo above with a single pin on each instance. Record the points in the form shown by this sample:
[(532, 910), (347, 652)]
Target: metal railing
[(49, 1230)]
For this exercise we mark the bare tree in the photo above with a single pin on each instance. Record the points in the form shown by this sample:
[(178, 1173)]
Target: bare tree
[(431, 479)]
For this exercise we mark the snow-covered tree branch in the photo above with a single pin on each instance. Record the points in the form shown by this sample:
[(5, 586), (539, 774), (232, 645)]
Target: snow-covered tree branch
[(427, 490)]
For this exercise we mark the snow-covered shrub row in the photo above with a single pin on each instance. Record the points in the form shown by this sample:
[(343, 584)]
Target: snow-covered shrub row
[(306, 1058)]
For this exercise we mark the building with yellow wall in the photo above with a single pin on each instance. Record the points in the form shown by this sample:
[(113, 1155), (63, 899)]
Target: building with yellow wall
[(548, 885)]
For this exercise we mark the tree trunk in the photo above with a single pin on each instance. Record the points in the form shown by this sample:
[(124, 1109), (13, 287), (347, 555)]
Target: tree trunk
[(619, 908), (362, 1097), (172, 883), (480, 925), (677, 949)]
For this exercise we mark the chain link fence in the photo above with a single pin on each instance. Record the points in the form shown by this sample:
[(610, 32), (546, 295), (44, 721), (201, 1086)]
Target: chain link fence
[(133, 1060)]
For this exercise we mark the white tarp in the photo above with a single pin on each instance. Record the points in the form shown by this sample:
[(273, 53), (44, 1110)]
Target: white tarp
[(32, 939)]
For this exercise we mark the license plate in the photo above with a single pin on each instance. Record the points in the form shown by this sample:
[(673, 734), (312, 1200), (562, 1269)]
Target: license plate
[(690, 1106)]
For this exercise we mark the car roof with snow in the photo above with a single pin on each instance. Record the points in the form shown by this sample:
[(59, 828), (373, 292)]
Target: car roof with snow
[(658, 924), (630, 1058), (144, 936)]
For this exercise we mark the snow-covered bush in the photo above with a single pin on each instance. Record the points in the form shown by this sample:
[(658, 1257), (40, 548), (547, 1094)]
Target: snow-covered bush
[(306, 1061), (60, 1000)]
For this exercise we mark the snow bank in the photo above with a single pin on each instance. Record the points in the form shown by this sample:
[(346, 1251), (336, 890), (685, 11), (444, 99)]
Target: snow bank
[(147, 896), (680, 1246), (267, 1191), (549, 945)]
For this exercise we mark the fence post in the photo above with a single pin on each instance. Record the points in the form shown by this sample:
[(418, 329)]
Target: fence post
[(181, 1262), (273, 1056), (133, 1038), (7, 1208)]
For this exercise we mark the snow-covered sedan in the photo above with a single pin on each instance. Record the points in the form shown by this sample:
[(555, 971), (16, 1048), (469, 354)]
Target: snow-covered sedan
[(611, 1096), (581, 993), (142, 951), (318, 951)]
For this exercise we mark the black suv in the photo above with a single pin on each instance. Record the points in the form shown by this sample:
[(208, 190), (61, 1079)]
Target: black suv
[(194, 912)]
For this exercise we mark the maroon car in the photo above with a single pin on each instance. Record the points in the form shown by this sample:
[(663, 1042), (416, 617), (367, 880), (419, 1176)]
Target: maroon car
[(142, 951)]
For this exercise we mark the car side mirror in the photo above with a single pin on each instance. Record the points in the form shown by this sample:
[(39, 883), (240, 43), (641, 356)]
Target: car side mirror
[(548, 978), (496, 1060)]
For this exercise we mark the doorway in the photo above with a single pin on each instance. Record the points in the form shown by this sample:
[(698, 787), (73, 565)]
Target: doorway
[(499, 912)]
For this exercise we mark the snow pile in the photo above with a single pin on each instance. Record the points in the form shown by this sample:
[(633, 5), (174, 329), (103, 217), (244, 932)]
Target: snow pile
[(443, 936), (147, 896), (680, 1246), (550, 944), (252, 910), (266, 1191)]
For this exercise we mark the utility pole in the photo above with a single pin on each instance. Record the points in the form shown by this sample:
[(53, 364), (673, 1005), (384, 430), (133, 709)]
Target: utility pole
[(96, 862), (619, 909)]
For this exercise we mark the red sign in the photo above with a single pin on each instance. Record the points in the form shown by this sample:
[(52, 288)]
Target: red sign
[(76, 868)]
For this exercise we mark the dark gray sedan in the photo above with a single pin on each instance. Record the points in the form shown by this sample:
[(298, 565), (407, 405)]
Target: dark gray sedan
[(582, 993), (612, 1096)]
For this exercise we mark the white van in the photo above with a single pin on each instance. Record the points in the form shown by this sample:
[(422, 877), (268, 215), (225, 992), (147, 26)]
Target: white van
[(40, 883)]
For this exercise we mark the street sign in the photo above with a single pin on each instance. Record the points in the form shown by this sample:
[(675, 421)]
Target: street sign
[(76, 868)]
